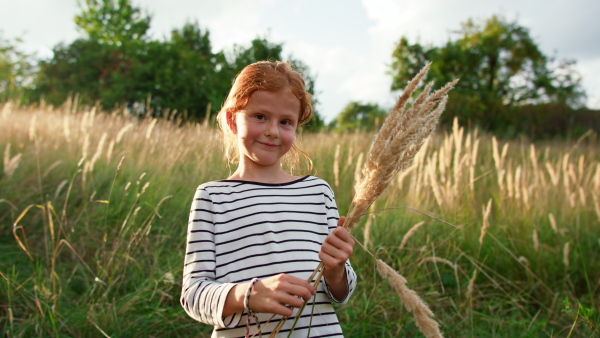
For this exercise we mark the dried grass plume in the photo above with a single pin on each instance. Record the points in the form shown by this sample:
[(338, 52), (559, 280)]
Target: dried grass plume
[(486, 220), (400, 138), (411, 300)]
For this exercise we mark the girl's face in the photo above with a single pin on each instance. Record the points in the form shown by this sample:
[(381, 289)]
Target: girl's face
[(266, 127)]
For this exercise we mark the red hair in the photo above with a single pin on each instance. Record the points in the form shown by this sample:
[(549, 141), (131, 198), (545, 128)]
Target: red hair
[(271, 76)]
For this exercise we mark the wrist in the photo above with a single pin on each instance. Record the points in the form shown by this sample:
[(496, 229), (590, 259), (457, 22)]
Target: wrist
[(335, 276), (337, 285)]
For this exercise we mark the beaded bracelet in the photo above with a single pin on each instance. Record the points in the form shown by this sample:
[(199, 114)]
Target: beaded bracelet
[(251, 314)]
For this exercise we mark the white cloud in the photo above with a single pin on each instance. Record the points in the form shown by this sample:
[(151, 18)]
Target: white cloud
[(41, 24), (229, 22), (333, 67), (590, 69)]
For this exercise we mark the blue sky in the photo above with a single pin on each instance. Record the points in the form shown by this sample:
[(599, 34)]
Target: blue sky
[(347, 44)]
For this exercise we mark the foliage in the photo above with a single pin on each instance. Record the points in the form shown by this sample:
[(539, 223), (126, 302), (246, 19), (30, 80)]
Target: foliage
[(357, 116), (553, 120), (316, 123), (180, 74), (112, 22), (500, 67), (116, 65), (16, 70), (587, 315)]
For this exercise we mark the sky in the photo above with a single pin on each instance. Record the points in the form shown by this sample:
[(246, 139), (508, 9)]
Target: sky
[(346, 43)]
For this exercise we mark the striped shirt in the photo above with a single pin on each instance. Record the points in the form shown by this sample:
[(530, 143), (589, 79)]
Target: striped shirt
[(239, 230)]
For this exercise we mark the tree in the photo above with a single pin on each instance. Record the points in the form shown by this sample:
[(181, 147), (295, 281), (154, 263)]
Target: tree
[(80, 67), (16, 70), (117, 65), (359, 116), (180, 74), (316, 123), (260, 49), (100, 67), (499, 66), (113, 22)]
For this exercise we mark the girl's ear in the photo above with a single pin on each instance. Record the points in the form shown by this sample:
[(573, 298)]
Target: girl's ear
[(231, 123)]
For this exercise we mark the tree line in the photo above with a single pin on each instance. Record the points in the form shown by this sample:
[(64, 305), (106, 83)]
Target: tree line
[(507, 85), (117, 65)]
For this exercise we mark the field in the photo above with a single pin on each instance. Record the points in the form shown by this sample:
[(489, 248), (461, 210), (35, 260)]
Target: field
[(94, 206)]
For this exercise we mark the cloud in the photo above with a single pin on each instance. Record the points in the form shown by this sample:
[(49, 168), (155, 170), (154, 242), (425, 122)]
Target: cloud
[(229, 22), (590, 69), (44, 25)]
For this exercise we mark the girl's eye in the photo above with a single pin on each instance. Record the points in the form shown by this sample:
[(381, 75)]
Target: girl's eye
[(259, 117), (286, 122)]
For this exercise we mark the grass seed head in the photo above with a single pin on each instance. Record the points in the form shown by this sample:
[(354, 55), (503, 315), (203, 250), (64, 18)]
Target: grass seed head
[(412, 302)]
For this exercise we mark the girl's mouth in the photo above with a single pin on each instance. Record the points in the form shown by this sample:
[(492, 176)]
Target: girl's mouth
[(268, 144)]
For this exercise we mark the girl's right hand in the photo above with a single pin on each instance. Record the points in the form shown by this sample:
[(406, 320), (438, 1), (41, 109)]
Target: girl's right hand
[(275, 294)]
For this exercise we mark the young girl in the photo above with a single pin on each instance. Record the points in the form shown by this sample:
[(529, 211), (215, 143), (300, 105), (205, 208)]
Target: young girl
[(255, 238)]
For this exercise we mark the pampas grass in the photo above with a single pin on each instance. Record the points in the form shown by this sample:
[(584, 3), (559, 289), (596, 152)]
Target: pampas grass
[(596, 204), (566, 251), (486, 216), (10, 162), (471, 285), (536, 241), (412, 302), (400, 138), (502, 287), (410, 233), (357, 171), (336, 166), (553, 222), (367, 229)]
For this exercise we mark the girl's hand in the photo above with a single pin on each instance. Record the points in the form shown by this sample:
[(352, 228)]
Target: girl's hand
[(274, 294), (335, 251)]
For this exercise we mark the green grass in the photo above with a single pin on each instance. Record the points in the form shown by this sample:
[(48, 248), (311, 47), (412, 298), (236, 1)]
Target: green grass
[(103, 252)]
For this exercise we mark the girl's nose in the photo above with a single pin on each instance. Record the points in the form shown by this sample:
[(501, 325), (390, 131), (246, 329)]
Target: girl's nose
[(272, 129)]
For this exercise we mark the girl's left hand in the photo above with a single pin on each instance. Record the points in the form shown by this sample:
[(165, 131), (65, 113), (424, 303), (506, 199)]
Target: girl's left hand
[(335, 251)]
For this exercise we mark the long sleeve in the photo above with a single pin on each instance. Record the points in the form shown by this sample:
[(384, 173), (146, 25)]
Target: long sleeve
[(332, 219), (202, 297)]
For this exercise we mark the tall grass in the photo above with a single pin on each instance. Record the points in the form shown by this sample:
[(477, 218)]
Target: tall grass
[(93, 214)]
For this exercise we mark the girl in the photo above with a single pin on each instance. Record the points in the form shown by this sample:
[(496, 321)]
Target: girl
[(254, 238)]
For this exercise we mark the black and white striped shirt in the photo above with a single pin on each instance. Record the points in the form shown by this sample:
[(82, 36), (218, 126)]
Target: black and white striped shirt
[(239, 230)]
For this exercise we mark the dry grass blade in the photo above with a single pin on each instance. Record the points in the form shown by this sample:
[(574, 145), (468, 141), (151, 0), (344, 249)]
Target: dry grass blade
[(411, 300), (10, 163), (471, 285), (486, 215), (410, 233)]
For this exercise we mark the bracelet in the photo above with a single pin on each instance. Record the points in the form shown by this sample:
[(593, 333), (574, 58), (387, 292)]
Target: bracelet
[(247, 307), (247, 296)]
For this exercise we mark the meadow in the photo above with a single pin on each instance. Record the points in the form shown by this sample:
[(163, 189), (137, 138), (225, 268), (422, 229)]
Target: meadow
[(94, 207)]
